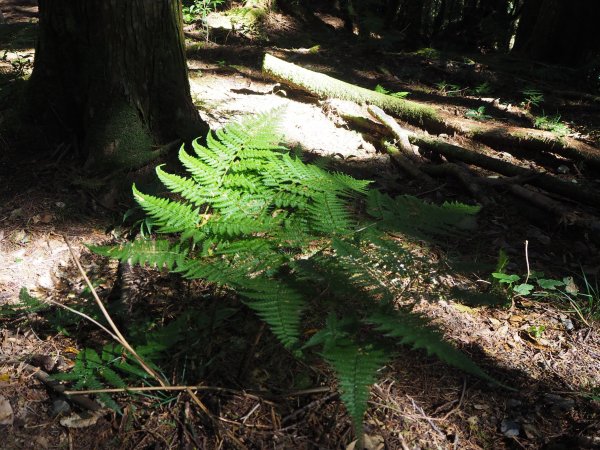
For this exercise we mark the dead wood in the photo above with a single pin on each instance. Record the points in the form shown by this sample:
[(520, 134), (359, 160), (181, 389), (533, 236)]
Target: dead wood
[(55, 386), (431, 119), (544, 181), (471, 182), (357, 116), (325, 87), (397, 131), (408, 166), (566, 215), (510, 139)]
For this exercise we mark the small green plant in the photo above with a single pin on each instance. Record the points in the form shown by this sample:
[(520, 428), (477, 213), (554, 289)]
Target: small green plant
[(478, 114), (200, 9), (483, 89), (536, 331), (379, 88), (532, 97), (448, 89), (429, 53), (551, 123), (586, 303), (511, 282), (288, 238)]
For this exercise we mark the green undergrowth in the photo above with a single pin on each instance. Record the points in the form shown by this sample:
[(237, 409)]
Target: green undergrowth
[(317, 255)]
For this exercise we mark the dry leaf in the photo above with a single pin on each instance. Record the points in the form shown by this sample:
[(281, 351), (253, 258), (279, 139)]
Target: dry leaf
[(77, 421), (6, 412)]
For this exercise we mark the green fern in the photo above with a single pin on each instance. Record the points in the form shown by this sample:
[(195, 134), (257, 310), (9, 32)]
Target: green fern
[(356, 366), (414, 330), (280, 233)]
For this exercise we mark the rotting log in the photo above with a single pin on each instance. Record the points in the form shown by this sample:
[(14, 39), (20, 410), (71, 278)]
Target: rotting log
[(358, 117), (324, 86), (547, 182), (429, 118), (510, 139), (397, 131), (408, 166)]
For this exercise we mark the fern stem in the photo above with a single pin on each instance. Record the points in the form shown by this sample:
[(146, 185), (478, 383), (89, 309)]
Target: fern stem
[(120, 338)]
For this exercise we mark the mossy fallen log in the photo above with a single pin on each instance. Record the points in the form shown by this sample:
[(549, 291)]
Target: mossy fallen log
[(435, 121), (325, 87)]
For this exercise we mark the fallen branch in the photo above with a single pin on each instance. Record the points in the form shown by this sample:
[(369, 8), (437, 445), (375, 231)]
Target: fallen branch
[(541, 180), (357, 116), (397, 131), (408, 166), (427, 117), (470, 182), (78, 398)]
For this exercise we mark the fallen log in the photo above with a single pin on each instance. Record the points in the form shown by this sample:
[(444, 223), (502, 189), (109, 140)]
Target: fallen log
[(547, 182), (324, 86), (357, 116), (408, 166), (431, 119)]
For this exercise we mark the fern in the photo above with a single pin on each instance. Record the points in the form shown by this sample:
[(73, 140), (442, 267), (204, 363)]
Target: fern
[(414, 330), (356, 366), (411, 216), (280, 233)]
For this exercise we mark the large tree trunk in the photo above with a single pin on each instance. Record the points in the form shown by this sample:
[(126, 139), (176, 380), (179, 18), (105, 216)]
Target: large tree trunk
[(110, 78), (559, 32)]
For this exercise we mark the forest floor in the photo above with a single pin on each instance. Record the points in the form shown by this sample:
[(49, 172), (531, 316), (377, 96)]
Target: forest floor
[(546, 347)]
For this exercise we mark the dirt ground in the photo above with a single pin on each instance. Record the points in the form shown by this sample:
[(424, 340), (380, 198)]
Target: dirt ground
[(544, 349)]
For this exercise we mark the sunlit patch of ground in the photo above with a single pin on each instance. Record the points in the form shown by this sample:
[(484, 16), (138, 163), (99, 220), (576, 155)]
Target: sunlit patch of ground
[(417, 403)]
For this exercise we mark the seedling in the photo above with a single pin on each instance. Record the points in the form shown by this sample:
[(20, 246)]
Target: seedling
[(533, 97), (551, 123), (478, 114), (536, 331)]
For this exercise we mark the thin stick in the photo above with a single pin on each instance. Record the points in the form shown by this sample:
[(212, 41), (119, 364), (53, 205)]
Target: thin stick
[(85, 316), (120, 338), (200, 387), (527, 259)]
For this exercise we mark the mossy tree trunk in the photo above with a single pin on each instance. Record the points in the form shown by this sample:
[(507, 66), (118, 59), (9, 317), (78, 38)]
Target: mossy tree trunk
[(110, 79)]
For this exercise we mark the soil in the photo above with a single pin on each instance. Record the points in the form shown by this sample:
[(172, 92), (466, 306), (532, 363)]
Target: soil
[(259, 396)]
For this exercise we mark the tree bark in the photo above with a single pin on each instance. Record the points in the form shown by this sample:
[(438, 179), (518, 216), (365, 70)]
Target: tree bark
[(110, 78)]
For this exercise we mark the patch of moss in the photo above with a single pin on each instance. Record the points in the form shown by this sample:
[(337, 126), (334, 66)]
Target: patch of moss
[(119, 139)]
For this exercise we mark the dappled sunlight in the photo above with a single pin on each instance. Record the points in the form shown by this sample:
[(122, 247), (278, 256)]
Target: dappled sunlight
[(436, 131)]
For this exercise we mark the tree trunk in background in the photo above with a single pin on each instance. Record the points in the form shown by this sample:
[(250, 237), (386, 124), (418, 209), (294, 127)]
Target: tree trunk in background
[(559, 31), (411, 21), (110, 78), (529, 14)]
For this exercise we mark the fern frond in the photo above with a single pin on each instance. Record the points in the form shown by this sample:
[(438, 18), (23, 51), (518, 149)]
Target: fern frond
[(328, 215), (356, 366), (202, 173), (186, 187), (159, 253), (278, 305), (170, 216), (409, 215), (415, 330)]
